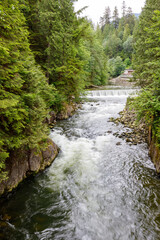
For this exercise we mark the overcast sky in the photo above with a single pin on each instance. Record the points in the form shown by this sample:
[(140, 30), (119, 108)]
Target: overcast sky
[(96, 7)]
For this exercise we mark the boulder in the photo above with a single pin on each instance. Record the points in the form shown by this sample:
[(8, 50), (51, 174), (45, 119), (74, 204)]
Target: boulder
[(24, 162)]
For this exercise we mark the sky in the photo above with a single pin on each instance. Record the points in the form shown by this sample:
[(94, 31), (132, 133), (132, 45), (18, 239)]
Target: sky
[(96, 8)]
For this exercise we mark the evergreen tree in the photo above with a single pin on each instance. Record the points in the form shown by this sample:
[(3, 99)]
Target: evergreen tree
[(123, 9), (96, 71), (102, 23), (23, 87), (120, 29), (113, 46), (126, 32), (147, 66), (115, 17), (59, 31), (116, 66), (107, 15), (128, 47), (118, 38), (129, 12), (143, 73), (130, 19), (106, 19)]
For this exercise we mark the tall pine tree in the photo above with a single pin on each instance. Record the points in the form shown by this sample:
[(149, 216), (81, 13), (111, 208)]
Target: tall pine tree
[(23, 87), (143, 73), (115, 17), (147, 66), (59, 32)]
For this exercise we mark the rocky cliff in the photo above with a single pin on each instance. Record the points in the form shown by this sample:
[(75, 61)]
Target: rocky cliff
[(25, 162), (154, 150), (139, 133)]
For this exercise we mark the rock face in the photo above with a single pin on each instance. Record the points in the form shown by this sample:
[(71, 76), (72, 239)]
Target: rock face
[(25, 162), (67, 111), (154, 151), (139, 133), (121, 81)]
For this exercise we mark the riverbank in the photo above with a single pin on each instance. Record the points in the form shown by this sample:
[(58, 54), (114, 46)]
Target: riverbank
[(25, 162), (94, 186), (138, 133), (66, 112), (123, 82)]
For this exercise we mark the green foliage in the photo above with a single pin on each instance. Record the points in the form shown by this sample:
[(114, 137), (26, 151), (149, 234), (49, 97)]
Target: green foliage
[(143, 60), (127, 62), (96, 64), (56, 33), (116, 66), (115, 17), (147, 106), (117, 37), (3, 156), (113, 46), (126, 32), (147, 66), (128, 47), (24, 92), (47, 56)]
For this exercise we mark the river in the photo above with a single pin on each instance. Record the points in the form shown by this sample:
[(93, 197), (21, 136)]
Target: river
[(98, 188)]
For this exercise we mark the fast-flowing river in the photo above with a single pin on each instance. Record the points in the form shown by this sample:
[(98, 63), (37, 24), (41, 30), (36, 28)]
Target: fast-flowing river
[(98, 188)]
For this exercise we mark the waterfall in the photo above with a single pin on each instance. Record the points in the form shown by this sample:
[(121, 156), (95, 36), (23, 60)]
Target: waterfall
[(111, 93)]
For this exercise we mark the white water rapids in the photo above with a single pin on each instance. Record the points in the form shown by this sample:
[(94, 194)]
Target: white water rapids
[(96, 189)]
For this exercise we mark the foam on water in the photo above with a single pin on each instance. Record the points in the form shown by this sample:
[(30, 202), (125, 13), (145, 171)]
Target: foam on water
[(95, 189), (111, 93)]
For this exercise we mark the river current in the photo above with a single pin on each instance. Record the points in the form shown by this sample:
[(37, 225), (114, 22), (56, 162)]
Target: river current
[(98, 188)]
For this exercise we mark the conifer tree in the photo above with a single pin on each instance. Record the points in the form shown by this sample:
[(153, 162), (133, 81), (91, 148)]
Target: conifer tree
[(23, 87), (115, 17), (106, 19), (123, 9), (143, 73), (102, 22), (126, 32), (147, 70), (130, 19), (117, 38), (107, 15), (96, 66), (59, 31)]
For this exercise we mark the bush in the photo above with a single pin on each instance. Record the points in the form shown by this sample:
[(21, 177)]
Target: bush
[(116, 66)]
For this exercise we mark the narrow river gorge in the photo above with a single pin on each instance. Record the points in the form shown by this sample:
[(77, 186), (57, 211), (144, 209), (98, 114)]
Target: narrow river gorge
[(98, 188)]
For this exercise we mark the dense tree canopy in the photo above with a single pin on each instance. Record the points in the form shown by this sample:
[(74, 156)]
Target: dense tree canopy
[(48, 55), (117, 35), (147, 65), (24, 92)]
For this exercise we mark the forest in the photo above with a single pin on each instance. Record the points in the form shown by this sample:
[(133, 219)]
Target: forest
[(49, 55)]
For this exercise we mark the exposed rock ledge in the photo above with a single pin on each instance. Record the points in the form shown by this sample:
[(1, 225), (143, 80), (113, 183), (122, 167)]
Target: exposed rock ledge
[(154, 151), (139, 133), (24, 162), (67, 111)]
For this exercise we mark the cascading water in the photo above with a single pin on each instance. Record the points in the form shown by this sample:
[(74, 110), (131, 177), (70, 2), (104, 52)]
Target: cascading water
[(102, 93), (95, 189)]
